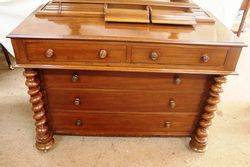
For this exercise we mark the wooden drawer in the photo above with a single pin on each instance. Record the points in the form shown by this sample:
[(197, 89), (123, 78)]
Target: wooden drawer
[(124, 100), (124, 80), (179, 55), (74, 51), (84, 123)]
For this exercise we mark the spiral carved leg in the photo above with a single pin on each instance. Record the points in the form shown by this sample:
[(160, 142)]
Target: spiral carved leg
[(198, 142), (44, 138)]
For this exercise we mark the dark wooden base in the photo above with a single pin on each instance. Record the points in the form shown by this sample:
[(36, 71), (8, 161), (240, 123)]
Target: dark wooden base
[(74, 119), (197, 146), (198, 142), (46, 146), (44, 137)]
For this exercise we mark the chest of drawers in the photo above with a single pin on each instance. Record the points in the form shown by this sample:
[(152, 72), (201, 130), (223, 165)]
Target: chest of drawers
[(88, 77), (115, 103)]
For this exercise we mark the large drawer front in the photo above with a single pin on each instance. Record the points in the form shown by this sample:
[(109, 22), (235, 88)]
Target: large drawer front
[(80, 123), (125, 80), (77, 51), (124, 100), (179, 55)]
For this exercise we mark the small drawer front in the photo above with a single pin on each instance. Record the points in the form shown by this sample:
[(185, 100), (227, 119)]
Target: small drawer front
[(73, 52), (84, 123), (179, 55), (124, 80), (124, 100)]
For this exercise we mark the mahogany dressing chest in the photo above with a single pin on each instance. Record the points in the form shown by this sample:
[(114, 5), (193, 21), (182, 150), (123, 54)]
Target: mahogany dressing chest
[(124, 68)]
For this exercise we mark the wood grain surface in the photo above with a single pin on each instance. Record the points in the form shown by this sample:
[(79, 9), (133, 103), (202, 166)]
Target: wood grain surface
[(75, 51), (116, 124), (125, 80), (124, 100)]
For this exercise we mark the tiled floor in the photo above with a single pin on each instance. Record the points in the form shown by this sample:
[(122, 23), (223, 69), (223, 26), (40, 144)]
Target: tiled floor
[(229, 141)]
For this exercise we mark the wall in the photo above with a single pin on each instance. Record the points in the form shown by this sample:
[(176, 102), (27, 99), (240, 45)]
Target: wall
[(224, 10)]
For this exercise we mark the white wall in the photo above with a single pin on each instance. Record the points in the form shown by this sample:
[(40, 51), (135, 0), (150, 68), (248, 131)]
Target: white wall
[(12, 13), (225, 10)]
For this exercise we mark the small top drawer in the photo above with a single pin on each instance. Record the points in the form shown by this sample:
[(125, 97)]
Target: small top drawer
[(179, 55), (75, 51)]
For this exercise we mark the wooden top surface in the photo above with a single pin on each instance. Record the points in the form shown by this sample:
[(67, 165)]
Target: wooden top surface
[(97, 29), (140, 2)]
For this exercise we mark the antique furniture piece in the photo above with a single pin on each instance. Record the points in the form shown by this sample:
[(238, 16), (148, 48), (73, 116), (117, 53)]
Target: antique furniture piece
[(240, 22), (90, 70), (245, 7), (6, 55)]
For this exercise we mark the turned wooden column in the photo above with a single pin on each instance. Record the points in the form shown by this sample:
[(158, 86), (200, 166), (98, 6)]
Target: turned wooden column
[(44, 138), (199, 140)]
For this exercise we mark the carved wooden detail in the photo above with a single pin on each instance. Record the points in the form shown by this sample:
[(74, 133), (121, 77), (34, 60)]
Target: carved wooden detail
[(44, 138), (199, 141)]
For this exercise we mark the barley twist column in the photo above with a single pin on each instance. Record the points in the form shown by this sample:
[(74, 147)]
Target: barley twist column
[(199, 140), (44, 138)]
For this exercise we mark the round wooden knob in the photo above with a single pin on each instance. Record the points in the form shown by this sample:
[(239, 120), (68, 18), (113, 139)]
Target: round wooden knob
[(49, 53), (167, 124), (172, 103), (78, 122), (205, 58), (75, 77), (103, 54), (77, 101), (177, 80), (154, 56)]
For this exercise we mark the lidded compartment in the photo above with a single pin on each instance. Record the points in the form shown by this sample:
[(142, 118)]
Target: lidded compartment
[(65, 9), (172, 15), (126, 13), (172, 12)]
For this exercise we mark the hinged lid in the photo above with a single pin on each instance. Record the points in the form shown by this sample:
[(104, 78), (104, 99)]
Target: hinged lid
[(177, 12)]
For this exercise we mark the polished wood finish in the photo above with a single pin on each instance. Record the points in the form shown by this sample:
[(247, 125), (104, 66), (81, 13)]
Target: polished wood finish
[(122, 124), (199, 140), (131, 81), (57, 52), (76, 28), (71, 10), (118, 79), (179, 55), (172, 15), (126, 56), (184, 3), (202, 16), (126, 13), (44, 137), (124, 100)]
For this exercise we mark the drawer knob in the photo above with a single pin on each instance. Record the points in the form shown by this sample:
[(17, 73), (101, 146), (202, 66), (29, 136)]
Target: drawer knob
[(154, 56), (77, 101), (172, 103), (78, 122), (177, 80), (75, 77), (205, 58), (167, 124), (49, 53), (103, 54)]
